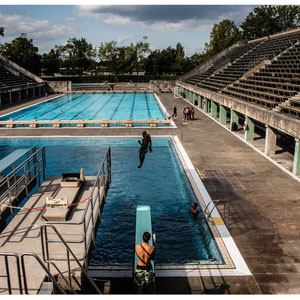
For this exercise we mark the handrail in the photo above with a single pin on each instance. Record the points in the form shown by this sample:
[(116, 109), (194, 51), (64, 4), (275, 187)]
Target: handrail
[(93, 204), (206, 211), (7, 275), (27, 171), (46, 258), (33, 149), (55, 282)]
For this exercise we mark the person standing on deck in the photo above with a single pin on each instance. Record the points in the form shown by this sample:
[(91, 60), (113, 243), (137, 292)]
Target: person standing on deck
[(144, 271), (146, 142), (174, 112)]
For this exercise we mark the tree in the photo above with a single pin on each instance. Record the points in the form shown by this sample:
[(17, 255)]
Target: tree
[(222, 36), (140, 51), (267, 20), (51, 62), (23, 52), (2, 31), (77, 56)]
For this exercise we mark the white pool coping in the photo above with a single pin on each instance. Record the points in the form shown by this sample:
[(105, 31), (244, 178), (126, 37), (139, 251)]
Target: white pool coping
[(241, 268)]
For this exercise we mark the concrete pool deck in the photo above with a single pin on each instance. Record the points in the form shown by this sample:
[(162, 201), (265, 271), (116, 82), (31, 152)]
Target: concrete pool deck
[(264, 205)]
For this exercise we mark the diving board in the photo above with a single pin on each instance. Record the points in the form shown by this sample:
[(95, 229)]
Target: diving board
[(143, 224), (11, 158)]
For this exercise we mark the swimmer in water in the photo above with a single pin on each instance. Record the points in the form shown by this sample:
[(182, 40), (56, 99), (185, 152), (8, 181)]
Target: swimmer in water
[(194, 210)]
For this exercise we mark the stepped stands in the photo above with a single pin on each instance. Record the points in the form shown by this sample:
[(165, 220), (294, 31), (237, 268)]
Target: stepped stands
[(268, 73), (8, 79), (274, 83), (221, 62)]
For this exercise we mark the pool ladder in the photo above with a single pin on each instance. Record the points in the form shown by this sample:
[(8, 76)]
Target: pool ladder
[(225, 209)]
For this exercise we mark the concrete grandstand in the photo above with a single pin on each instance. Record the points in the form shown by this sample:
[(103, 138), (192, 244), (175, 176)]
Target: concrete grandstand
[(18, 84), (255, 85)]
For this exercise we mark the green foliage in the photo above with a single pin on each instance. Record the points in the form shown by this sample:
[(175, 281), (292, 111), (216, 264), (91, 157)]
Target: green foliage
[(77, 56), (125, 59), (51, 62), (267, 20), (222, 36), (2, 31), (24, 53)]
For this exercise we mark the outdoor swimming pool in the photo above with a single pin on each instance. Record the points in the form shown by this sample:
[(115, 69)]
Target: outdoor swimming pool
[(161, 183), (115, 106)]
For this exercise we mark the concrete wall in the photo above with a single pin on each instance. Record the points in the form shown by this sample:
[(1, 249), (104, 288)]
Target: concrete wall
[(271, 118), (156, 85), (59, 86)]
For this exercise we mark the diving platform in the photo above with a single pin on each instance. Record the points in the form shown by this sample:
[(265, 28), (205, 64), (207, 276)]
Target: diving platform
[(12, 158), (60, 242)]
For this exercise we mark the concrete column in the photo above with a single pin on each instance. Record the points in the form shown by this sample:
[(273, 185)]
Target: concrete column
[(199, 101), (26, 94), (249, 133), (270, 141), (214, 109), (195, 99), (222, 116), (9, 97), (40, 91), (296, 164), (33, 92), (191, 96), (233, 118), (206, 105)]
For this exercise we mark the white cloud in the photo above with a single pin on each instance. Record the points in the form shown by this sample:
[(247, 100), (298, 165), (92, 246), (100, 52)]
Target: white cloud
[(40, 31)]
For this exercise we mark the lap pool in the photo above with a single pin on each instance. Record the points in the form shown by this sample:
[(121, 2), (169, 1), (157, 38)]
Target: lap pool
[(113, 106), (161, 183)]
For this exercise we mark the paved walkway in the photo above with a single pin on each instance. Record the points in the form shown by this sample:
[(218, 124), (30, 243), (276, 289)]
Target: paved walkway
[(265, 205)]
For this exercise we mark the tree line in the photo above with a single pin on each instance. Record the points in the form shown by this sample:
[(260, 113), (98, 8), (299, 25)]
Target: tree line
[(78, 56)]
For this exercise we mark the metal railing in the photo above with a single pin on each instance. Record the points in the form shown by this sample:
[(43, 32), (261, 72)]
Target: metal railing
[(7, 274), (55, 282), (226, 209), (91, 212), (21, 176), (48, 260)]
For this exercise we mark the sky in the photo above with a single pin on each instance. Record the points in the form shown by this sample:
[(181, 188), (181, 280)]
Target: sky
[(163, 25)]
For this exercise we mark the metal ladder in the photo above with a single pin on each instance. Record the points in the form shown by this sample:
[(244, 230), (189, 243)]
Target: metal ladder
[(215, 203), (69, 252), (21, 272)]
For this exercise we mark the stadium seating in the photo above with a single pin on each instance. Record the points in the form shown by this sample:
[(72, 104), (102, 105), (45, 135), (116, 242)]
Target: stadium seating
[(8, 79), (265, 72)]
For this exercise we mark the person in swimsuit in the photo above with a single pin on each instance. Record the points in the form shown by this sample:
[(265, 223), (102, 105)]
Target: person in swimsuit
[(194, 210), (146, 142), (144, 272)]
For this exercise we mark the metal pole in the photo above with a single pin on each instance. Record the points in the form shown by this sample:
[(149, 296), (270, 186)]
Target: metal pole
[(26, 182), (9, 195), (38, 167), (7, 274)]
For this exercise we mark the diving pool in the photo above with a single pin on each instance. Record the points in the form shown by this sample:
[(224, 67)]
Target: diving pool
[(115, 106), (161, 183)]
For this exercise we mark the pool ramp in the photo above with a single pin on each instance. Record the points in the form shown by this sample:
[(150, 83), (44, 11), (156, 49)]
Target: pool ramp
[(56, 247)]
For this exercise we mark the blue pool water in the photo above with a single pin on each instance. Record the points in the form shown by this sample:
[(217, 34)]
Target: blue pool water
[(116, 106), (160, 183)]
